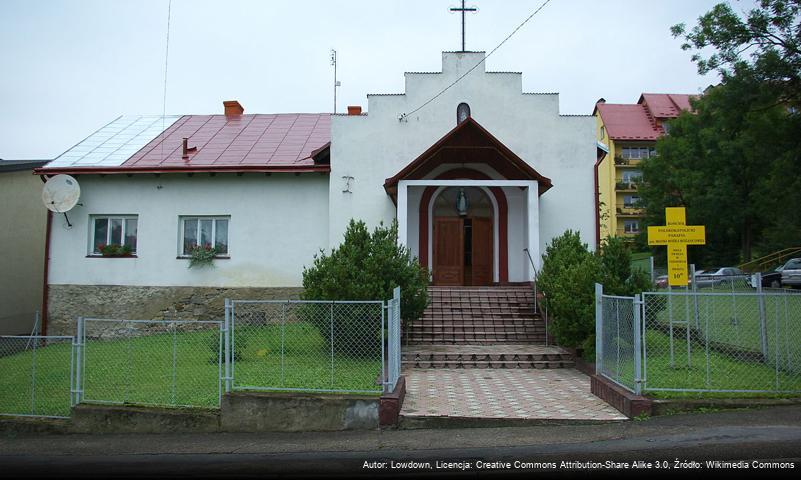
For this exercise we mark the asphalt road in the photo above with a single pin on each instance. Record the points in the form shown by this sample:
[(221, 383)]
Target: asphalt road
[(763, 435)]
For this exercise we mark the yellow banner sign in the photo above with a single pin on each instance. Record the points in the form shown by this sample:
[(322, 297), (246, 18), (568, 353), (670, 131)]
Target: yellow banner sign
[(695, 235), (677, 265)]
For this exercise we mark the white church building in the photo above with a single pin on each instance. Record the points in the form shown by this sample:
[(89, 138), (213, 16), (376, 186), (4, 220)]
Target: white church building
[(480, 179)]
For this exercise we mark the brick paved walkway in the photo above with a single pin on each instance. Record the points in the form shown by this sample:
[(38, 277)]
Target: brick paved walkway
[(557, 394)]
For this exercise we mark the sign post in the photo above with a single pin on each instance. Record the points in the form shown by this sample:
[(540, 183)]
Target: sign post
[(676, 235)]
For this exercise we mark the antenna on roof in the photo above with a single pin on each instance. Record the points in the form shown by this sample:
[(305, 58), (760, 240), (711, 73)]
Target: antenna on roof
[(166, 64), (336, 83), (60, 194)]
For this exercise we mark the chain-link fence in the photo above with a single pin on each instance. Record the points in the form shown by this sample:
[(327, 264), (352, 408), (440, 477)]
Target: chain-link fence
[(313, 346), (164, 363), (734, 342), (617, 339), (700, 341), (36, 375)]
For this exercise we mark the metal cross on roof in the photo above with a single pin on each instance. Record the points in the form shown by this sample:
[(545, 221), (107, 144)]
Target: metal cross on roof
[(463, 10)]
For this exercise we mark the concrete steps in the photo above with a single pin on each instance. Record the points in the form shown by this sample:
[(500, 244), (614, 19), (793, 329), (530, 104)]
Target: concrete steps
[(478, 315), (486, 356), (481, 327)]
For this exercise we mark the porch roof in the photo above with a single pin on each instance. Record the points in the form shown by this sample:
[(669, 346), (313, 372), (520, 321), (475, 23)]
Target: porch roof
[(469, 142)]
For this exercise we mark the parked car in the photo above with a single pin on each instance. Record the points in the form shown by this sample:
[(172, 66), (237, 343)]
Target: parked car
[(771, 279), (718, 276), (791, 273), (662, 282)]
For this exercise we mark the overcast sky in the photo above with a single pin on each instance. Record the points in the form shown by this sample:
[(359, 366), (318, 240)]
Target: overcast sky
[(70, 67)]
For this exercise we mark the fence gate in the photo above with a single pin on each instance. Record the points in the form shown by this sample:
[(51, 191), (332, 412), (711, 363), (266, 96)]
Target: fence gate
[(618, 339), (37, 375), (393, 340)]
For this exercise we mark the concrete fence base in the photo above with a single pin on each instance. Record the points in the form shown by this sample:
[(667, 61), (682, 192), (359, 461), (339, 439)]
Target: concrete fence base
[(284, 412)]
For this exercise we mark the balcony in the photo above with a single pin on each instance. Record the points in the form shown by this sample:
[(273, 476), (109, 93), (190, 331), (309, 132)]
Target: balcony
[(622, 186), (622, 232), (629, 210), (626, 162)]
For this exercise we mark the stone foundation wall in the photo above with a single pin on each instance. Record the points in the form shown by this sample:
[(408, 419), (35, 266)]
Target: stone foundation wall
[(68, 302)]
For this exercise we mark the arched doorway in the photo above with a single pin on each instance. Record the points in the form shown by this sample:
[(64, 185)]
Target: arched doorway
[(464, 236), (501, 247)]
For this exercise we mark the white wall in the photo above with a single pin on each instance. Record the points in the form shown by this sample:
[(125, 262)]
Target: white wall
[(277, 224), (374, 147)]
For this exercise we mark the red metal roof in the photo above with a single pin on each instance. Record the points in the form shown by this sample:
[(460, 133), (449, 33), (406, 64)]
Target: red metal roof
[(628, 122), (665, 105), (641, 121), (239, 140), (259, 142)]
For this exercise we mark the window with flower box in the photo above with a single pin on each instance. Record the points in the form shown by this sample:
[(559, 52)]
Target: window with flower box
[(113, 235), (204, 232)]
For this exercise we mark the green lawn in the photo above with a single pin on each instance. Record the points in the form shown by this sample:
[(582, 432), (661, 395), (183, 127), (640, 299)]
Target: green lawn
[(307, 361), (725, 372), (139, 369), (731, 323), (43, 390)]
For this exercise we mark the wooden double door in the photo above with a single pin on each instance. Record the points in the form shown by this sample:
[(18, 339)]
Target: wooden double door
[(462, 251)]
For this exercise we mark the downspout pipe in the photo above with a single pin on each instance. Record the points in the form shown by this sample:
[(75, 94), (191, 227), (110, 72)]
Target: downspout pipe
[(45, 290), (597, 193)]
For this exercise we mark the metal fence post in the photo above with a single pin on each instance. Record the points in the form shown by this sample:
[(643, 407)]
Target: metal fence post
[(173, 392), (332, 345), (396, 294), (220, 370), (763, 330), (79, 361), (33, 377), (283, 346), (695, 294), (599, 292), (644, 340), (637, 345), (384, 366), (227, 344)]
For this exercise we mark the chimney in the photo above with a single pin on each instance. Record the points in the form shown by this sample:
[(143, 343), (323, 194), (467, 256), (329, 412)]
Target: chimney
[(232, 107), (185, 150), (354, 109)]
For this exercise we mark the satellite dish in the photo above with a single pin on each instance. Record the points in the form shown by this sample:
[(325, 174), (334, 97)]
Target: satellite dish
[(61, 193)]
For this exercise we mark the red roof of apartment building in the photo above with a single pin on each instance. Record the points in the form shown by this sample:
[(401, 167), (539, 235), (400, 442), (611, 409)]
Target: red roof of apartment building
[(642, 120)]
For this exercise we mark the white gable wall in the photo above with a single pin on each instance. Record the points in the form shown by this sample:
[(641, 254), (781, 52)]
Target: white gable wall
[(374, 147), (277, 224)]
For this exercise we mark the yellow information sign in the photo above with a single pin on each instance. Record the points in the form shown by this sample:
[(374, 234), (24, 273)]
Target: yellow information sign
[(676, 234)]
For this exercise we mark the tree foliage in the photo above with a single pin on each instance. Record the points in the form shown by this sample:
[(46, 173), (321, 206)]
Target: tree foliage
[(734, 161), (365, 266), (368, 266), (766, 44), (568, 276)]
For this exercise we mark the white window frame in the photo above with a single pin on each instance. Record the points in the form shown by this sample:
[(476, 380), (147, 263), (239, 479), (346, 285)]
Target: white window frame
[(629, 202), (634, 176), (95, 217), (181, 229), (632, 223)]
